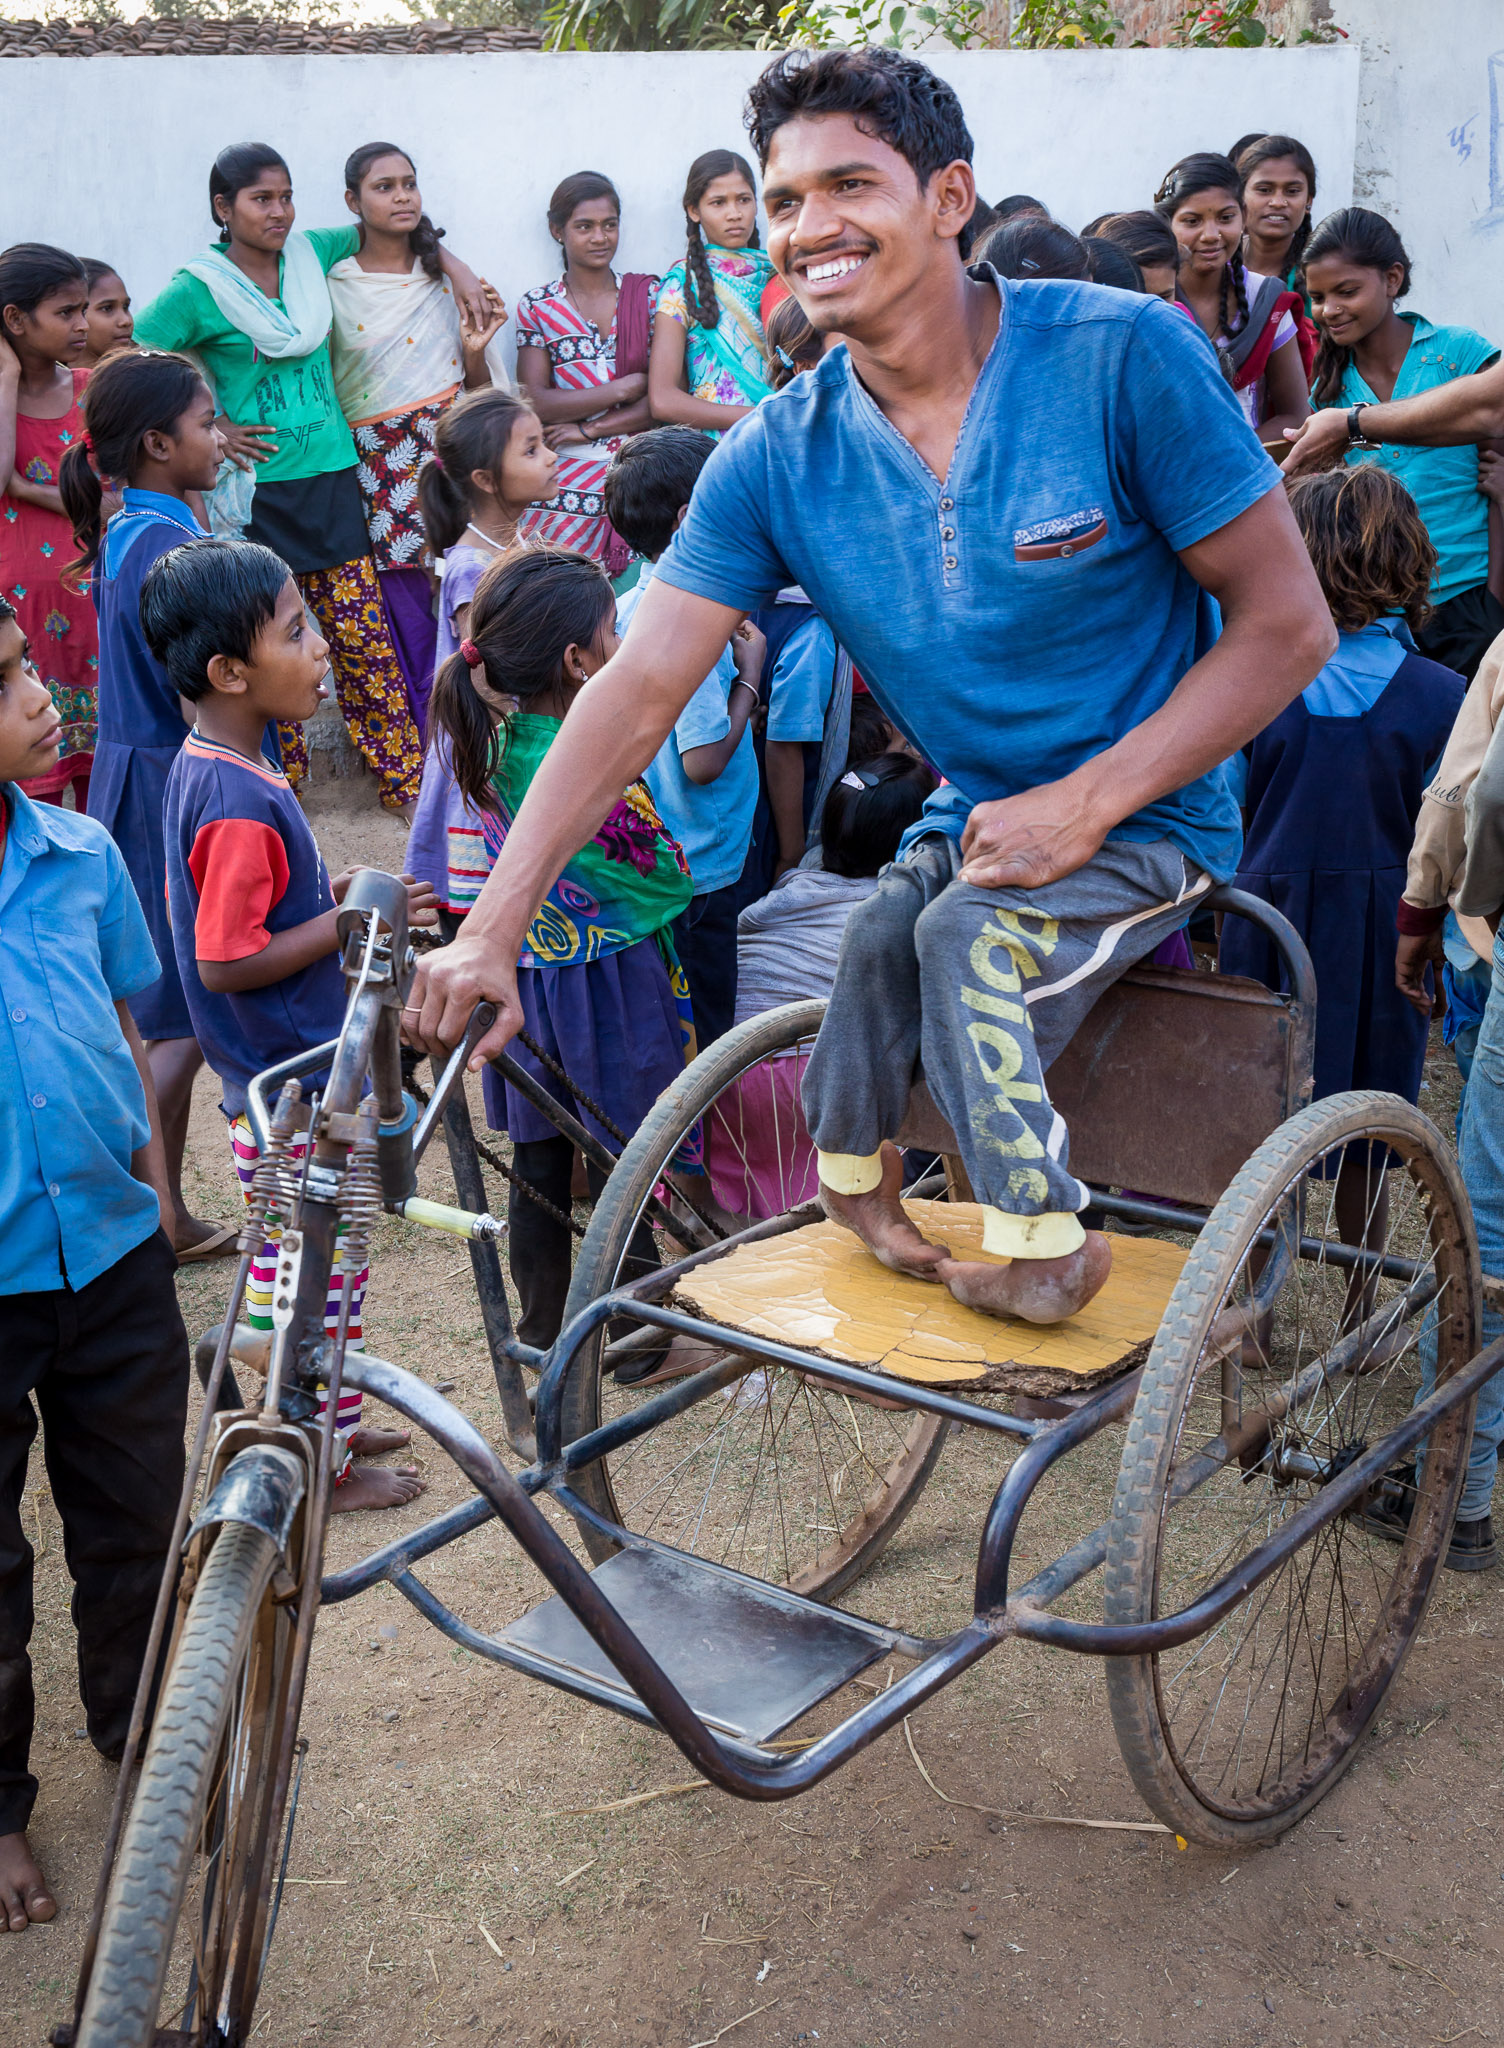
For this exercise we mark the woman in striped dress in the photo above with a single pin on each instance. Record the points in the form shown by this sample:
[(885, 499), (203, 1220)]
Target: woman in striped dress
[(582, 358)]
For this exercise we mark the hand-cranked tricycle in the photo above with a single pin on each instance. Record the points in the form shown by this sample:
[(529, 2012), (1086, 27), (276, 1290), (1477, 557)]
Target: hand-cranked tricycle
[(743, 1406)]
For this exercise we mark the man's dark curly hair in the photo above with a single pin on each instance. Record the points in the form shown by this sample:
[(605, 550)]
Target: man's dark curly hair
[(894, 97)]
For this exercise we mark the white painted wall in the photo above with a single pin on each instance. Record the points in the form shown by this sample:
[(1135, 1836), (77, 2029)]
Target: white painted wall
[(1431, 147), (119, 147)]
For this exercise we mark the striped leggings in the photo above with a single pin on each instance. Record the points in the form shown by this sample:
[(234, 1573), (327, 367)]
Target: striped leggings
[(258, 1291)]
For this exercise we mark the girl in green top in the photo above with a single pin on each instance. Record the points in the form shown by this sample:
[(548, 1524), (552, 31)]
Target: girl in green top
[(255, 312), (602, 990), (708, 366)]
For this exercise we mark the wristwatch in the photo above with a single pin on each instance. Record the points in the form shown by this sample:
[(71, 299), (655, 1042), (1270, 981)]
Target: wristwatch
[(1356, 438)]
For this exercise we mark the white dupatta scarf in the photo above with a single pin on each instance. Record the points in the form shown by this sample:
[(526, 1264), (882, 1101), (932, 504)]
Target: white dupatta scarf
[(396, 341), (298, 325)]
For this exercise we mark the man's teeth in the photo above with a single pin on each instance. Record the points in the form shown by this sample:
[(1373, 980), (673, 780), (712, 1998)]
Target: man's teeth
[(818, 273)]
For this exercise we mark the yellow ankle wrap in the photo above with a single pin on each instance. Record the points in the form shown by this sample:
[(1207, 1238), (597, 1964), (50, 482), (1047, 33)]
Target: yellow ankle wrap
[(848, 1173), (1050, 1236)]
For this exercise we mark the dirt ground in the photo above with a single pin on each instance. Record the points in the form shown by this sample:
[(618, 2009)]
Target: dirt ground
[(450, 1882)]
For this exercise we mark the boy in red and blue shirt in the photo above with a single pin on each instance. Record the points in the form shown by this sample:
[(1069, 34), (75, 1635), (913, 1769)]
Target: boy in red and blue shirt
[(251, 903)]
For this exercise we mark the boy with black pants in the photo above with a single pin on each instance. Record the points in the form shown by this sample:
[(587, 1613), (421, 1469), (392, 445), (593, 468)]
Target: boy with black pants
[(89, 1319)]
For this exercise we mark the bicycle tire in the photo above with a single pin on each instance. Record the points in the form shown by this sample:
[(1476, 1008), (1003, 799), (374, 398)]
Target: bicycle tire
[(1243, 1784), (887, 1485), (167, 1818)]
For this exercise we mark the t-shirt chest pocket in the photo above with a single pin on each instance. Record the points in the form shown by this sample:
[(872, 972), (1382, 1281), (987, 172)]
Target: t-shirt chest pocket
[(1062, 538), (76, 984)]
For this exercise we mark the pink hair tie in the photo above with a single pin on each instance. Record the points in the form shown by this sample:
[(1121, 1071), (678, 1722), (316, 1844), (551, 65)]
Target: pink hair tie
[(471, 655), (438, 461)]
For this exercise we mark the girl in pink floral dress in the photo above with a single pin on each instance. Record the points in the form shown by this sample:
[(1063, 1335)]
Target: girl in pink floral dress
[(582, 359), (44, 297)]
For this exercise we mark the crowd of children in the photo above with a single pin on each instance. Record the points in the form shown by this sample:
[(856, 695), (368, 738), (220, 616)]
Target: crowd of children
[(308, 464)]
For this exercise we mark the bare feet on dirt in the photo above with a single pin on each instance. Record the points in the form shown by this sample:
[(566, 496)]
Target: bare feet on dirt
[(1037, 1290), (375, 1443), (879, 1219), (377, 1486), (24, 1896)]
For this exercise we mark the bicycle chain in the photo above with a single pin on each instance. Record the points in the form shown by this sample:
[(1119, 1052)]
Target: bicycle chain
[(585, 1102), (508, 1173)]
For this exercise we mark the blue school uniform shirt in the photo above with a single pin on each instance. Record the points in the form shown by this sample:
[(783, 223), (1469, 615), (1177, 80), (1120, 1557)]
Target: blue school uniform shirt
[(1030, 610), (138, 706), (803, 678), (712, 821), (73, 943), (242, 864), (1442, 481)]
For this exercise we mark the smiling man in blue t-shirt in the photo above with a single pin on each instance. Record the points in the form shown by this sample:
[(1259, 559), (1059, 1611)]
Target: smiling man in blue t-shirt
[(1010, 502)]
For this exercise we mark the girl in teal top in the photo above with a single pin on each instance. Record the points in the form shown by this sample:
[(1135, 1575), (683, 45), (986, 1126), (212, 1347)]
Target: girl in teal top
[(1355, 269), (709, 365)]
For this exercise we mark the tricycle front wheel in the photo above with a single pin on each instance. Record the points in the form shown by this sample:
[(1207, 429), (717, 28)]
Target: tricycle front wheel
[(1275, 1370)]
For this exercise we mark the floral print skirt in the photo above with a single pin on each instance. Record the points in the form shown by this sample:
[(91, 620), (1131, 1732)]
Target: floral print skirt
[(391, 452)]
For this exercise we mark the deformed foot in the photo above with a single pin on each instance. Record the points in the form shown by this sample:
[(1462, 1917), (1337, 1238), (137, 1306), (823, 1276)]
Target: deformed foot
[(24, 1896), (375, 1443), (377, 1486), (879, 1219), (1036, 1290)]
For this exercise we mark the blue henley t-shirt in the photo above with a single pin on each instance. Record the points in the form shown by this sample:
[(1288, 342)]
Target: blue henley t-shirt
[(1023, 615)]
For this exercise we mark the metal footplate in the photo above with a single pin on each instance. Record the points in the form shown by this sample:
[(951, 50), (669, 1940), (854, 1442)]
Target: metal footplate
[(750, 1658)]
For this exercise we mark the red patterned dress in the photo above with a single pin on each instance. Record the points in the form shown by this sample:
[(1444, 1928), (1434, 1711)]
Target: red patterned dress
[(581, 356), (35, 547)]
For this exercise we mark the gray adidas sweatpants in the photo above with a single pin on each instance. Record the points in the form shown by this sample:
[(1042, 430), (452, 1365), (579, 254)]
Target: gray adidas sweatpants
[(981, 989)]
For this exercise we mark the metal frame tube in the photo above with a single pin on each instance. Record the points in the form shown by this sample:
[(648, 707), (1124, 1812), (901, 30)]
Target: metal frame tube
[(1140, 1639), (485, 1258), (663, 1702)]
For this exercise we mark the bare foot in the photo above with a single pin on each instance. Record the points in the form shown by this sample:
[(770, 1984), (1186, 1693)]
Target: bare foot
[(1037, 1290), (879, 1219), (375, 1443), (377, 1486), (24, 1896)]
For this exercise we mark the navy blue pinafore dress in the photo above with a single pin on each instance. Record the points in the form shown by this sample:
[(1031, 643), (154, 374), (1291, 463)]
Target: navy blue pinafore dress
[(1333, 791), (140, 731)]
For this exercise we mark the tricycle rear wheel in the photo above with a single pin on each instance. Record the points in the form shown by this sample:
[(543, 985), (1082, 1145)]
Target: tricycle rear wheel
[(1231, 1737)]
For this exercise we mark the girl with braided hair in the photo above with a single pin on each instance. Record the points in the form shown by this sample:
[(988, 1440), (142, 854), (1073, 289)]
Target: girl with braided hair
[(709, 365), (149, 436), (603, 993), (1249, 318)]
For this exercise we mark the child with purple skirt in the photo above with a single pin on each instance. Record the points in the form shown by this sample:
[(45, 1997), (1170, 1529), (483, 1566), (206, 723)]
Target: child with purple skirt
[(601, 987)]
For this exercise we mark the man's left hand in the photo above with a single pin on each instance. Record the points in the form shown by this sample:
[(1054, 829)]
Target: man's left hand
[(1023, 842)]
